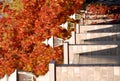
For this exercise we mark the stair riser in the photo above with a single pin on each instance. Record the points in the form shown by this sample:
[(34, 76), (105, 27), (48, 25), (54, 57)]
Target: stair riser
[(99, 59)]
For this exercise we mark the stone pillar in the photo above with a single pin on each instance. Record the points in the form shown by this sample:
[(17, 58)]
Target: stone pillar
[(5, 78), (77, 28), (13, 76), (82, 21), (66, 53), (73, 41), (52, 71)]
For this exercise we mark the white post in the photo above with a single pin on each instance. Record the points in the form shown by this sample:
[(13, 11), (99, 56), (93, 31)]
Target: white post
[(13, 76), (82, 21), (73, 16), (52, 71), (66, 53), (84, 15), (73, 38), (5, 78), (77, 28), (65, 25), (58, 41)]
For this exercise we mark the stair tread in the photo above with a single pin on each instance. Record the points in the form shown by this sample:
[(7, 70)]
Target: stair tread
[(100, 42), (100, 21), (97, 37), (99, 28)]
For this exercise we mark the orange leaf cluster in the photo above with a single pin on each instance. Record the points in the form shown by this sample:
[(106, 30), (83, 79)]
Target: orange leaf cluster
[(22, 33)]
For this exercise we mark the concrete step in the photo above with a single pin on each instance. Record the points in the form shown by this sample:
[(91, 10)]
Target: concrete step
[(90, 16), (92, 49), (97, 37), (98, 28), (98, 42), (99, 21)]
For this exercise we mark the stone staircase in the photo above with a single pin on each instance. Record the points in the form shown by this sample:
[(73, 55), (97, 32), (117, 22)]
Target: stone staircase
[(93, 43), (103, 34), (91, 54)]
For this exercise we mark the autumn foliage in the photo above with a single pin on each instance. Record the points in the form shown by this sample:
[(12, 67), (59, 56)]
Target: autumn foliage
[(112, 11), (23, 27), (104, 11)]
